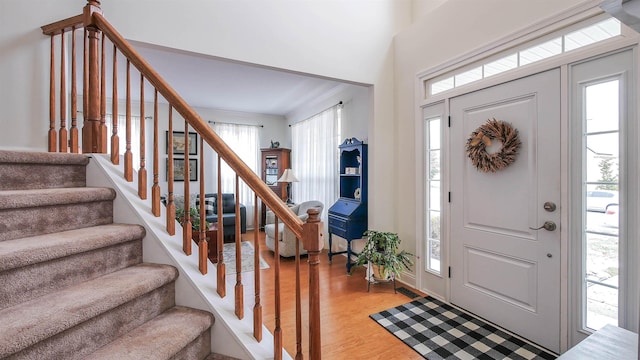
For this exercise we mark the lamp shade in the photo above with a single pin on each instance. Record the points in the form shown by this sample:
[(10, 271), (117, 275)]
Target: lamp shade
[(288, 177)]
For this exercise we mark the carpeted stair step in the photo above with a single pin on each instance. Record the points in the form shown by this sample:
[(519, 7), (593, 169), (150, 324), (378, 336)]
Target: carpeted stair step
[(184, 333), (43, 211), (34, 266), (38, 170), (214, 356), (73, 322)]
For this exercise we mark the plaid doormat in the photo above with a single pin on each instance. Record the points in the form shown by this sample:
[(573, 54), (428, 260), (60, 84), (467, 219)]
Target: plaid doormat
[(439, 331)]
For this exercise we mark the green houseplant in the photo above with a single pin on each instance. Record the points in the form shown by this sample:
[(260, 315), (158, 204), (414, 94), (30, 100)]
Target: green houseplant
[(381, 251), (194, 215)]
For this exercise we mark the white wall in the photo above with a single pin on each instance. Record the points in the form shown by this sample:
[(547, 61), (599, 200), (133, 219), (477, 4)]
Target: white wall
[(312, 36), (423, 7), (24, 70), (447, 32)]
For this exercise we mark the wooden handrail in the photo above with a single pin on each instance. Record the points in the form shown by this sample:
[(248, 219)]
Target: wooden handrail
[(65, 25), (224, 151)]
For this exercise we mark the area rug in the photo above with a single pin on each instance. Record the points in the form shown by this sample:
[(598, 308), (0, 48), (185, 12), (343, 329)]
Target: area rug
[(438, 331), (229, 253), (408, 293)]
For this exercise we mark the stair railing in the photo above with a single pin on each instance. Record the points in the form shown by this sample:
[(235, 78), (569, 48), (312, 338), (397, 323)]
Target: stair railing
[(94, 139)]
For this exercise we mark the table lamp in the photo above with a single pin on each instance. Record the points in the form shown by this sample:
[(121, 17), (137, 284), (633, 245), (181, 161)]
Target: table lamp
[(288, 177)]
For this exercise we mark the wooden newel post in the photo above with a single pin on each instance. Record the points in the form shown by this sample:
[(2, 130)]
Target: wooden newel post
[(91, 130), (313, 242)]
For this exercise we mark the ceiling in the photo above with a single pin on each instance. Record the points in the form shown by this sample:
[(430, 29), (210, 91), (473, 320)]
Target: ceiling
[(208, 82)]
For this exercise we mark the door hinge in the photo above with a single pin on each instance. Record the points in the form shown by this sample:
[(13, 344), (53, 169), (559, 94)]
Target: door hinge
[(449, 120), (449, 272), (449, 196)]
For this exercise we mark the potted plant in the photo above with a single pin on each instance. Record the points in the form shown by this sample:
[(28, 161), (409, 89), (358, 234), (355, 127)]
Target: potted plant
[(381, 251), (194, 216)]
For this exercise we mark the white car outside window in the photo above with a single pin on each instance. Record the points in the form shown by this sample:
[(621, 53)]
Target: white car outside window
[(599, 200)]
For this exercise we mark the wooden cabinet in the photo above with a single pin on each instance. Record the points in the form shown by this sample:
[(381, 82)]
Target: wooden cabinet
[(348, 216), (274, 162)]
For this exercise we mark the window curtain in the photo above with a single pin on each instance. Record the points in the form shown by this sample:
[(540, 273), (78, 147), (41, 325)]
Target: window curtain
[(315, 157), (122, 134), (243, 140)]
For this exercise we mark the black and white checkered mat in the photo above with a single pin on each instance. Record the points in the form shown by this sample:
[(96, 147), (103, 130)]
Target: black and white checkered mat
[(439, 331)]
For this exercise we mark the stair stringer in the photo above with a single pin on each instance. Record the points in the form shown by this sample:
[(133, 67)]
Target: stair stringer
[(229, 335)]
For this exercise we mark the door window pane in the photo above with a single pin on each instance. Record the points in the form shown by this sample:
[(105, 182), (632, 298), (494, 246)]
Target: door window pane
[(434, 135), (602, 158), (434, 165), (602, 305), (434, 242), (602, 115), (434, 199)]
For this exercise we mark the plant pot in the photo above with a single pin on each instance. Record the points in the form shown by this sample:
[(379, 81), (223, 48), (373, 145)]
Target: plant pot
[(379, 273)]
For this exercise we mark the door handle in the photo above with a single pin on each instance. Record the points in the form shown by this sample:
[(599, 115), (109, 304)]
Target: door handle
[(548, 225)]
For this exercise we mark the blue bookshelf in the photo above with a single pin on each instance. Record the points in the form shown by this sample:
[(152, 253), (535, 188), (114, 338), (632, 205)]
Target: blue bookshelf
[(348, 216)]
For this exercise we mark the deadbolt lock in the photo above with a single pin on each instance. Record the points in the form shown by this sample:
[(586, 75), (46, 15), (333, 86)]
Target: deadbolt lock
[(550, 206)]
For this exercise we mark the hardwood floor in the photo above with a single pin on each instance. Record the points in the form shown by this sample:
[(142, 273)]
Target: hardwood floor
[(347, 330)]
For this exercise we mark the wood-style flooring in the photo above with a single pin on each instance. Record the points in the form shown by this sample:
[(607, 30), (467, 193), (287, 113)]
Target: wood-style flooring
[(347, 330)]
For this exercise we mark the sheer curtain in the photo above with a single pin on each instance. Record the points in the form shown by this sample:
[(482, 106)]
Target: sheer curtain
[(315, 156), (243, 140), (122, 134)]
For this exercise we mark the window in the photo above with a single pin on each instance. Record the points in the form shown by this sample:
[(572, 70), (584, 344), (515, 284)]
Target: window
[(600, 186), (314, 158), (540, 52), (433, 199), (468, 76), (603, 278), (243, 140), (585, 36), (592, 34), (501, 65)]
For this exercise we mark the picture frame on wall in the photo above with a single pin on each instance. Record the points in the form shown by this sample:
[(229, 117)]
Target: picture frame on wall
[(178, 143), (178, 169)]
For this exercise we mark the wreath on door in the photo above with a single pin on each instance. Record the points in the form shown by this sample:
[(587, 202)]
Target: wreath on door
[(483, 137)]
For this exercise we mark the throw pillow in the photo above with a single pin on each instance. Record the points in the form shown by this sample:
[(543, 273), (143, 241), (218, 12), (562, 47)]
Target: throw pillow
[(209, 206)]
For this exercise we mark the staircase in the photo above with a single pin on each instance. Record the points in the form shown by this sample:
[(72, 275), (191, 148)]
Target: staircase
[(72, 283)]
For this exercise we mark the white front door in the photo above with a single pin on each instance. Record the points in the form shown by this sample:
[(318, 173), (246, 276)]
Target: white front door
[(502, 269)]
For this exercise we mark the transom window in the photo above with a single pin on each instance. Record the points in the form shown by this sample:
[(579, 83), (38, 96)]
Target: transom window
[(570, 41)]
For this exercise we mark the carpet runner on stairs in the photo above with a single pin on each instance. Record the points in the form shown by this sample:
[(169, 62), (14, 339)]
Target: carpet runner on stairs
[(72, 283)]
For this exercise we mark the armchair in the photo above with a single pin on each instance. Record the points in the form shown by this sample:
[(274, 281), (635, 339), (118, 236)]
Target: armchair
[(287, 246)]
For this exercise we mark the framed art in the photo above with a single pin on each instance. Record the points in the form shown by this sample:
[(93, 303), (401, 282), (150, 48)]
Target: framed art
[(178, 169), (178, 143)]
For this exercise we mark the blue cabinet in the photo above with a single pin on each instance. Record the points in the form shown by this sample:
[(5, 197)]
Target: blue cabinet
[(348, 216)]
